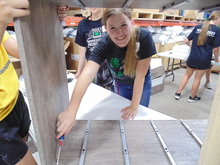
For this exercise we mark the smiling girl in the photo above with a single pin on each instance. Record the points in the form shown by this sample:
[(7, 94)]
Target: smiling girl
[(128, 50)]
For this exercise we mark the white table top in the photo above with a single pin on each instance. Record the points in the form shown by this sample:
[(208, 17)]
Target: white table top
[(180, 56), (101, 104), (170, 54)]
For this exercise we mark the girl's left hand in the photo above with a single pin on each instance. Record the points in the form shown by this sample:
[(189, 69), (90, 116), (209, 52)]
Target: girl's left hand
[(129, 112), (62, 12)]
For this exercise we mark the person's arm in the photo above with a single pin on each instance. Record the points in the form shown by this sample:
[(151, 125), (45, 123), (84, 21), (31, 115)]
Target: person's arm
[(82, 58), (187, 42), (216, 53), (11, 47), (66, 119), (141, 71), (189, 38), (8, 10)]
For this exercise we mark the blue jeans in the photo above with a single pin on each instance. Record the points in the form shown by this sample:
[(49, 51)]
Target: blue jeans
[(127, 91)]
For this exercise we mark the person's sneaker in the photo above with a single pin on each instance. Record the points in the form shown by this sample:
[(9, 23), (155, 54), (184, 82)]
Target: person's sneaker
[(196, 98), (208, 85), (177, 96)]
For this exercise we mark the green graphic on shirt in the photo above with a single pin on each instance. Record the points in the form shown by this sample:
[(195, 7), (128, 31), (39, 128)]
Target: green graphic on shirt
[(96, 34), (120, 74), (114, 62)]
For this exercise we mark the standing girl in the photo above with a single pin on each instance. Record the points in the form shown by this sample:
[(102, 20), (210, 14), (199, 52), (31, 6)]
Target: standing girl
[(89, 32), (205, 40), (128, 50)]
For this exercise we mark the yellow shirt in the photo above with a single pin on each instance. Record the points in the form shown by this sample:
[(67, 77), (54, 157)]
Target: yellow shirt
[(8, 82)]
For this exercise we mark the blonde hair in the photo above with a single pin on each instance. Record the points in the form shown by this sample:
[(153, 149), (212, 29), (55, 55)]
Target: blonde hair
[(131, 57), (205, 27)]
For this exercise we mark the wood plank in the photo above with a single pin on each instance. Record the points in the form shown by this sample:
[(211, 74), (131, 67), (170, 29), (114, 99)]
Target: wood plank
[(143, 145), (40, 41), (196, 125), (105, 144), (140, 4), (70, 152), (180, 143)]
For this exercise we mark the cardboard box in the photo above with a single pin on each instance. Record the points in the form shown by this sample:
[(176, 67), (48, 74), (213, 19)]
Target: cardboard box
[(72, 51), (74, 48), (200, 15), (190, 13), (216, 69), (167, 47), (17, 65), (157, 46), (79, 12), (148, 10), (194, 14), (172, 12)]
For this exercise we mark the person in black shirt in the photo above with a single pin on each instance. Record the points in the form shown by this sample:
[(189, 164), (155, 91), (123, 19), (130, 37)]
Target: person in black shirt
[(128, 50), (89, 32), (205, 40)]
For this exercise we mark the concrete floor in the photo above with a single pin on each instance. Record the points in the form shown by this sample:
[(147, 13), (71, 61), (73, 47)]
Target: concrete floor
[(165, 103)]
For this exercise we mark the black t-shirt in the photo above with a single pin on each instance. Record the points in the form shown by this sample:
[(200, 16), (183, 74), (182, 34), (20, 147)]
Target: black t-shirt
[(88, 34), (200, 56), (106, 49)]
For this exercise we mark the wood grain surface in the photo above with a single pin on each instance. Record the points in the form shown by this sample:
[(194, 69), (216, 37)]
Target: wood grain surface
[(140, 4), (40, 41), (105, 145)]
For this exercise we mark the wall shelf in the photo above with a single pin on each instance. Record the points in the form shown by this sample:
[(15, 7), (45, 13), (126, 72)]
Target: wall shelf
[(73, 21), (163, 23)]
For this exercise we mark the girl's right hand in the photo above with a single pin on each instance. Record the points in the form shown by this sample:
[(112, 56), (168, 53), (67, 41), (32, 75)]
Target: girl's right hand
[(65, 122), (9, 9), (129, 112)]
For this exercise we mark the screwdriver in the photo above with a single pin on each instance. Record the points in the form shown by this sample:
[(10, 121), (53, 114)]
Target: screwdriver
[(60, 144)]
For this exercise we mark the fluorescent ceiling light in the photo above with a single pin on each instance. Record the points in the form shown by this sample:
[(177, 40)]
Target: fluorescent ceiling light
[(175, 4), (216, 7)]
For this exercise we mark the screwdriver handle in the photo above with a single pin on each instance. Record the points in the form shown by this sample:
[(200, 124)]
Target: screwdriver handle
[(62, 137)]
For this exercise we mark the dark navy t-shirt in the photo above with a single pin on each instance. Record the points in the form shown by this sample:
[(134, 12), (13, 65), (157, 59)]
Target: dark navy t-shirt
[(200, 56), (106, 49), (88, 34)]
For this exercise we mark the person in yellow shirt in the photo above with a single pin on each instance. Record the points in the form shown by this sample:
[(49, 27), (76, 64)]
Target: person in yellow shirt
[(14, 113)]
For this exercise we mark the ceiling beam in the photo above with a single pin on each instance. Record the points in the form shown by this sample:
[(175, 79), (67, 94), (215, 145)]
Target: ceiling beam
[(127, 4), (216, 7), (175, 4), (80, 4)]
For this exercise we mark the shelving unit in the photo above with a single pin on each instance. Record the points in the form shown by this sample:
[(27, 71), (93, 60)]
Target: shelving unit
[(162, 23), (73, 21)]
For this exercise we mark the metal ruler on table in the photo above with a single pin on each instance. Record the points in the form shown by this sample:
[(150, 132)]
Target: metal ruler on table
[(191, 132), (83, 151), (162, 142), (125, 149)]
